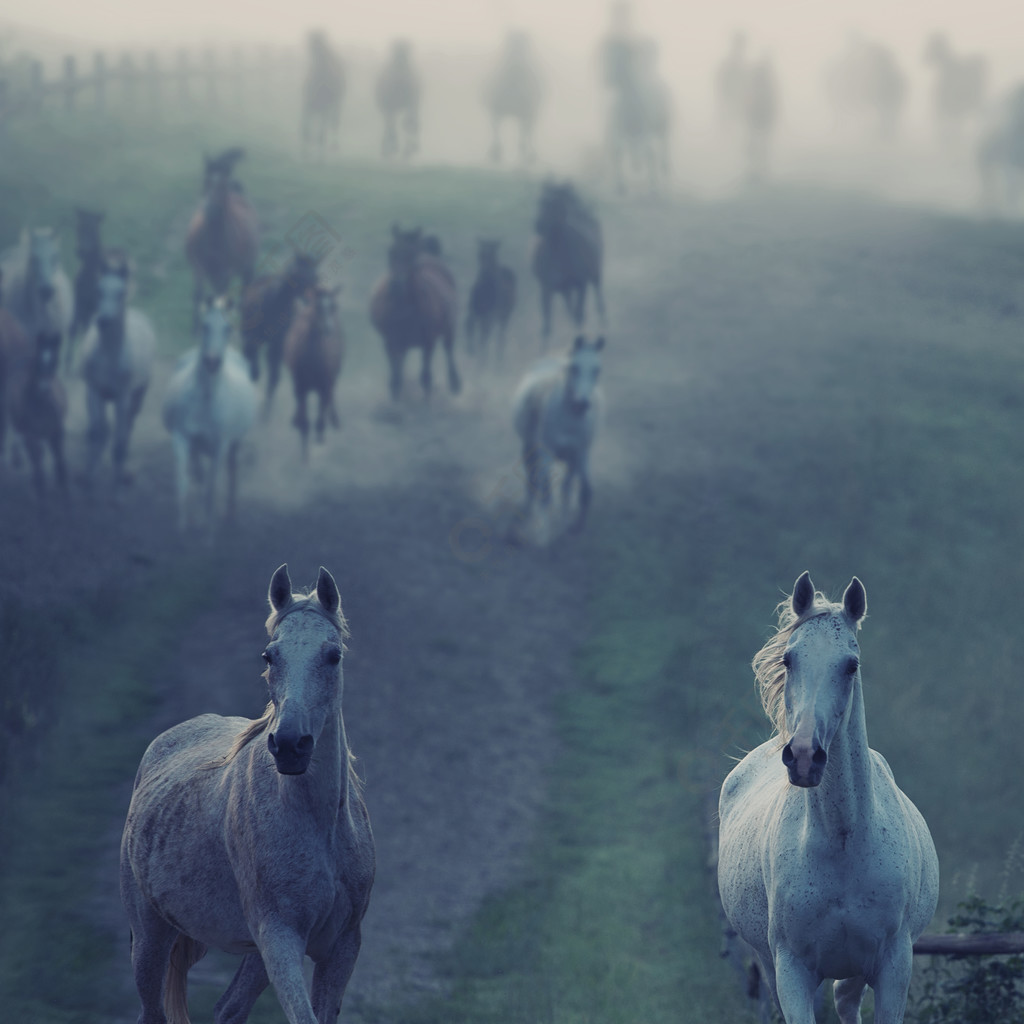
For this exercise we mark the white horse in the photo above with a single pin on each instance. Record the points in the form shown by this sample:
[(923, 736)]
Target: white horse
[(557, 407), (825, 867), (252, 836), (36, 288), (209, 407), (117, 360)]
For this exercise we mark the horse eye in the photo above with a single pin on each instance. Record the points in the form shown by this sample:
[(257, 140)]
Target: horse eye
[(268, 657), (334, 656), (851, 666), (787, 661)]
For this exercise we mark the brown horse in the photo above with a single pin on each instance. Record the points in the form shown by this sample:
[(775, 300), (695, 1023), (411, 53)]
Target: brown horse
[(32, 397), (268, 306), (413, 305), (491, 300), (223, 236), (568, 253), (314, 351)]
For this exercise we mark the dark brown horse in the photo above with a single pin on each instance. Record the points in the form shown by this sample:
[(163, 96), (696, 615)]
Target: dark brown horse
[(568, 253), (314, 351), (413, 305), (32, 398), (89, 249), (223, 236), (491, 300), (268, 305)]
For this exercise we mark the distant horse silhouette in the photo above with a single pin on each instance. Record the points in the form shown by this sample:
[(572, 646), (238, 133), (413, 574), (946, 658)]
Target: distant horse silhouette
[(412, 306), (1000, 155), (961, 82), (314, 351), (398, 98), (223, 237), (117, 359), (514, 92), (15, 359), (89, 249), (36, 289), (491, 299), (268, 306), (867, 82), (209, 407), (322, 93), (252, 836), (730, 81), (557, 408), (825, 867), (568, 253)]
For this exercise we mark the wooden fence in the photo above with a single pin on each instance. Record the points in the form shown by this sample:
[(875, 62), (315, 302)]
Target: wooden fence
[(149, 81)]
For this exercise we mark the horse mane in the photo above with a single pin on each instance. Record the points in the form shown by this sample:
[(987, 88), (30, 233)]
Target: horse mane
[(769, 672)]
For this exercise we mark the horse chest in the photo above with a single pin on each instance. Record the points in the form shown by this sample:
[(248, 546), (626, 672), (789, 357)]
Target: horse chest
[(564, 436)]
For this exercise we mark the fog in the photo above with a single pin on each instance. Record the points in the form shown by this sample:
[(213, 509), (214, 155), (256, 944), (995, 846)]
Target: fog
[(458, 40)]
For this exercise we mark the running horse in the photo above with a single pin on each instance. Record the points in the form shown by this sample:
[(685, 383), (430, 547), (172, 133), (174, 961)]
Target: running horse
[(322, 94), (35, 287), (568, 253), (314, 351), (491, 299), (398, 98), (251, 836), (413, 305), (514, 92), (223, 236), (89, 250), (825, 867)]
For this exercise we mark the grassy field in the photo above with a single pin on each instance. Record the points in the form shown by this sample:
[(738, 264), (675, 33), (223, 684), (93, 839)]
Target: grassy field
[(833, 385)]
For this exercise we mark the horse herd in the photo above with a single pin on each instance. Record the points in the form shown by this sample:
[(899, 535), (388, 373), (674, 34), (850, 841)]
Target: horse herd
[(285, 318)]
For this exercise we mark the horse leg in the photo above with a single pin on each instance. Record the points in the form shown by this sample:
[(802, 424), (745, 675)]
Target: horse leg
[(331, 976), (301, 420), (795, 986), (57, 453), (98, 432), (323, 402), (127, 410), (182, 467), (246, 987), (396, 359), (892, 984), (152, 941), (426, 373), (283, 952), (848, 995), (582, 469), (217, 459), (454, 380)]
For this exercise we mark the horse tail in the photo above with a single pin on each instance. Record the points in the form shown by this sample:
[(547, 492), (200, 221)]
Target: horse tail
[(185, 952)]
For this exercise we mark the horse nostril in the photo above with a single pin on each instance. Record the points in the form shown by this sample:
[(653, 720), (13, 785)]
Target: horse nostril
[(272, 744), (305, 745), (787, 756), (820, 757)]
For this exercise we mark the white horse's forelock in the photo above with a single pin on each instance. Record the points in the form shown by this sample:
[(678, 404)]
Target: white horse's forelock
[(307, 602)]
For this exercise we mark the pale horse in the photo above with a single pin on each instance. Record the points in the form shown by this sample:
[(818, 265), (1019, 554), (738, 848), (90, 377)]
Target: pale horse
[(36, 289), (825, 867), (252, 836), (118, 353), (556, 410), (209, 407)]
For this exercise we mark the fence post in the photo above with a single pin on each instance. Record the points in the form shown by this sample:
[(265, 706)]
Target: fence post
[(70, 83), (99, 82)]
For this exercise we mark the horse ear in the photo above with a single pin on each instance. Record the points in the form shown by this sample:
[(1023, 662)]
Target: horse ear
[(280, 593), (327, 592), (855, 600), (803, 594)]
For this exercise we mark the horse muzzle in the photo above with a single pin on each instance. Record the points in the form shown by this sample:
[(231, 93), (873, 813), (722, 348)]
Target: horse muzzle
[(805, 761), (291, 753), (212, 364)]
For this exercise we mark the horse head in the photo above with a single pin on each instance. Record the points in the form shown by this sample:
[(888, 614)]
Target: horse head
[(112, 292), (43, 262), (405, 247), (487, 253), (45, 359), (215, 327), (301, 272), (582, 374), (304, 673), (822, 666), (87, 231)]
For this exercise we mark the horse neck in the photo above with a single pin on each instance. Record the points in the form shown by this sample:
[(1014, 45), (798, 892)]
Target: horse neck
[(844, 800), (113, 329), (325, 788)]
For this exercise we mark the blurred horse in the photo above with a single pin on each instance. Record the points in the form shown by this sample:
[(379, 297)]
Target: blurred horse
[(825, 867), (314, 351), (209, 407), (961, 83), (223, 236), (413, 305), (568, 253), (117, 359), (556, 410), (760, 111), (1000, 155), (252, 836), (730, 81), (89, 250), (491, 300), (36, 289), (398, 98), (867, 81), (322, 93), (15, 358), (268, 306), (514, 92)]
